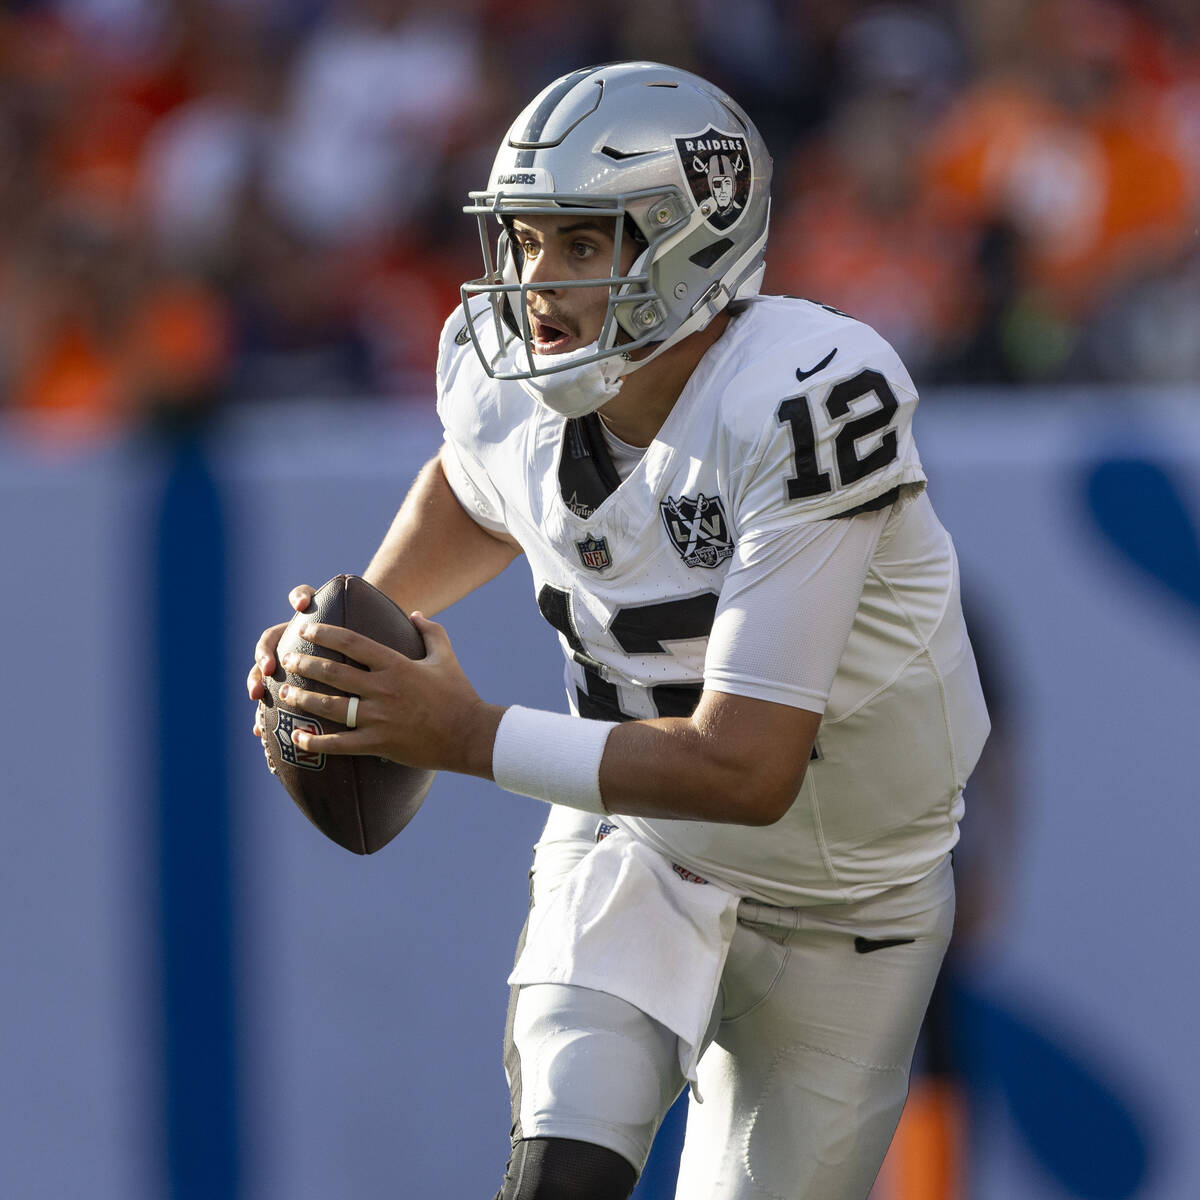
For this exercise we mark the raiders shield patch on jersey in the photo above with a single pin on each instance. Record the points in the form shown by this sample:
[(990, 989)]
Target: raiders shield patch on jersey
[(593, 553), (698, 529), (717, 168)]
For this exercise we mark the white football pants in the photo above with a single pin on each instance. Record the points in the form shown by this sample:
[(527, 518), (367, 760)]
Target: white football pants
[(806, 1069)]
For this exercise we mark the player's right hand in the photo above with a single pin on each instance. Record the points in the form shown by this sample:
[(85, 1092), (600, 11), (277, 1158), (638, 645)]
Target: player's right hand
[(264, 651)]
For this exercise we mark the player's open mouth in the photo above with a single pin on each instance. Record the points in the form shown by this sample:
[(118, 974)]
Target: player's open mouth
[(548, 338)]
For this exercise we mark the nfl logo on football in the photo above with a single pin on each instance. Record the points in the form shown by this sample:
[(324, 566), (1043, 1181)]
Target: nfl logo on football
[(593, 553), (289, 722)]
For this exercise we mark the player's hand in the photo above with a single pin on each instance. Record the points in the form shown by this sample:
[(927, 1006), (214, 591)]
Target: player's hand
[(264, 651), (421, 712)]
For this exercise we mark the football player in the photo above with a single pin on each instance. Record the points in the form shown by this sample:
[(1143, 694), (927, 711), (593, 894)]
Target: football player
[(744, 883)]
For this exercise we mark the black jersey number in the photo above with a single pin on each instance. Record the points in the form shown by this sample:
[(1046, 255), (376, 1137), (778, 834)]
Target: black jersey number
[(639, 629), (794, 412)]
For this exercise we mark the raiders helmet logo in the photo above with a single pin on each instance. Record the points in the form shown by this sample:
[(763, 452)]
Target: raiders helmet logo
[(718, 170), (698, 529)]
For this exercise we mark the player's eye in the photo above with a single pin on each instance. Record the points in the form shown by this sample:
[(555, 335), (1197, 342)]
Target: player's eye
[(530, 249), (583, 249)]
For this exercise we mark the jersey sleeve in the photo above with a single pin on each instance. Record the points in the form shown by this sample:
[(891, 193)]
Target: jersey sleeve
[(466, 405), (472, 488), (825, 442), (786, 610), (454, 375)]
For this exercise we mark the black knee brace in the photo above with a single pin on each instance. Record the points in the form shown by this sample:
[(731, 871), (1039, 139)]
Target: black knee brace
[(565, 1169)]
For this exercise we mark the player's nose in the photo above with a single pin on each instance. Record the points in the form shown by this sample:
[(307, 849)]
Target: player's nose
[(541, 271)]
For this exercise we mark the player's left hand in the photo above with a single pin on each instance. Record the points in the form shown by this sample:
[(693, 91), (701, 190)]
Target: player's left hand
[(423, 712)]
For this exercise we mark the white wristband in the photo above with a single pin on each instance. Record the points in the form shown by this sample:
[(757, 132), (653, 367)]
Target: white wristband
[(551, 756)]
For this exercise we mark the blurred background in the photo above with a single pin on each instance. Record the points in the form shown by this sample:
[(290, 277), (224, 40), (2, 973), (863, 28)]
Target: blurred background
[(229, 233)]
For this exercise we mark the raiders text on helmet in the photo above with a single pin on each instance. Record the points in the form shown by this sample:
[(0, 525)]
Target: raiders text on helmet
[(674, 161)]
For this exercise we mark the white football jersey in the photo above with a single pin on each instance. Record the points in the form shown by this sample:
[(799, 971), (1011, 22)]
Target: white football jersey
[(797, 414)]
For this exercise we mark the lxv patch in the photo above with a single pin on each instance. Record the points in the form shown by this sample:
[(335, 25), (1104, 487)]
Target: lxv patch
[(698, 529)]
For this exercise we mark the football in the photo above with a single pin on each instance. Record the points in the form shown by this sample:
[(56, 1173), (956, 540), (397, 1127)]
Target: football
[(361, 802)]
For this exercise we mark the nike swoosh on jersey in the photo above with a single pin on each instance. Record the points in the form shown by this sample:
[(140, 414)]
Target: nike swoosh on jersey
[(803, 375), (864, 945)]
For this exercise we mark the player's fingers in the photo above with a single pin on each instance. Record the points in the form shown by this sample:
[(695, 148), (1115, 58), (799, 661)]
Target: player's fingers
[(354, 645), (339, 675), (317, 703), (435, 637), (264, 651), (254, 683), (350, 742), (299, 596)]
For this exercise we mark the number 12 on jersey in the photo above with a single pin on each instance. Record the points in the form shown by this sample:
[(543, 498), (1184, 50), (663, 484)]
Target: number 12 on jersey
[(795, 412)]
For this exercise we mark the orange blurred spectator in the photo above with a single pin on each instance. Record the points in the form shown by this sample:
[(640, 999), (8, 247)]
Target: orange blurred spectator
[(865, 235), (1063, 144), (1179, 79), (101, 340), (179, 344)]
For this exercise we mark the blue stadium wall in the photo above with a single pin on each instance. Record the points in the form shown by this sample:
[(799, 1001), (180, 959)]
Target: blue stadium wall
[(203, 998)]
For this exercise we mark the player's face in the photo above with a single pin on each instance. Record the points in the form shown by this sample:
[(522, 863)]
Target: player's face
[(561, 249)]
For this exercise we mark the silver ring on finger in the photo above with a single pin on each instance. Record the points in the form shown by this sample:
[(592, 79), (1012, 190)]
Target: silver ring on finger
[(352, 713)]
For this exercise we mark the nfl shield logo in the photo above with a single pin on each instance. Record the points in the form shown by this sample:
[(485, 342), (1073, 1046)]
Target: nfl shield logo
[(698, 529), (593, 553), (289, 751)]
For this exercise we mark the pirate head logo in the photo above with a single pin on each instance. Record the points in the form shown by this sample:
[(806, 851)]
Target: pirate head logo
[(717, 167), (698, 529)]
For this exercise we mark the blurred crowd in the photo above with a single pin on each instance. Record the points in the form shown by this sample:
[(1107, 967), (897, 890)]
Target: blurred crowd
[(210, 201)]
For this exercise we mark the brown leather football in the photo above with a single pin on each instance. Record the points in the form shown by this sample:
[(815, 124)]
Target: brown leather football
[(360, 801)]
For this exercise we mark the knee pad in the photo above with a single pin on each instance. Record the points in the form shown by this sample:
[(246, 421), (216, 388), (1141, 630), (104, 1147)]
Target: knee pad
[(564, 1169), (591, 1068), (604, 1069)]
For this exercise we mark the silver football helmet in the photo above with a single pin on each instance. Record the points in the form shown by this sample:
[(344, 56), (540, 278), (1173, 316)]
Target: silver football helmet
[(681, 169)]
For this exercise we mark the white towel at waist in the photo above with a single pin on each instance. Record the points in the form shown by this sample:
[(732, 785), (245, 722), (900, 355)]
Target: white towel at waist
[(626, 923)]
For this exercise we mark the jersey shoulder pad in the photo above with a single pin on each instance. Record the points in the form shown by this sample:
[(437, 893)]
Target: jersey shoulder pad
[(820, 408), (454, 343), (471, 404)]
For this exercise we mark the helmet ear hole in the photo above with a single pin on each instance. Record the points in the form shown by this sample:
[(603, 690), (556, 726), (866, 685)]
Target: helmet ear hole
[(707, 256)]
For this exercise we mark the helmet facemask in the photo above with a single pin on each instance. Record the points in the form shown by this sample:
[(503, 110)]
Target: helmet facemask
[(634, 314)]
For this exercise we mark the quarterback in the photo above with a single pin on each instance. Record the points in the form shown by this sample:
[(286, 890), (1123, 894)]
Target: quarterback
[(744, 883)]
